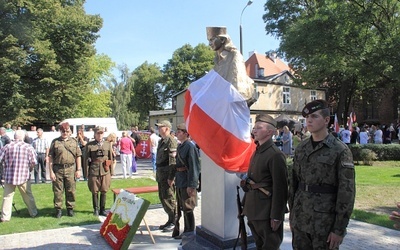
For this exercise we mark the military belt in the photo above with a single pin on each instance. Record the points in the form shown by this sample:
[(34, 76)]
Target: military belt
[(64, 165), (317, 188), (182, 169)]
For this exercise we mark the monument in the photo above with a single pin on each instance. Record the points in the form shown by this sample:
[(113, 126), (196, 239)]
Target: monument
[(222, 99)]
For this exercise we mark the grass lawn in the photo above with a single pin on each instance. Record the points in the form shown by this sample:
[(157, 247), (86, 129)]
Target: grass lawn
[(377, 192), (43, 194)]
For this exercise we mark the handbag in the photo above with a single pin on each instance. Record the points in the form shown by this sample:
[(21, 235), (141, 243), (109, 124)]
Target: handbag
[(107, 165)]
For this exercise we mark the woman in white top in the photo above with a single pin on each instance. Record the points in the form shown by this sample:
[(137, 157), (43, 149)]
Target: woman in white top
[(378, 139), (364, 136)]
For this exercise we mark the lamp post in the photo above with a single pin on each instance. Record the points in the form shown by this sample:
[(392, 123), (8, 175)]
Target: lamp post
[(240, 26)]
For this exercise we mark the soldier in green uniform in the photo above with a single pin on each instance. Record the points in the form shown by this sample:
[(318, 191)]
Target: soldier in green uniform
[(98, 166), (65, 168), (322, 187), (165, 174), (186, 178)]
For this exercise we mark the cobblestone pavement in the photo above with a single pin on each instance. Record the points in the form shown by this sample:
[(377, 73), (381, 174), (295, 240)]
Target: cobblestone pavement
[(360, 235)]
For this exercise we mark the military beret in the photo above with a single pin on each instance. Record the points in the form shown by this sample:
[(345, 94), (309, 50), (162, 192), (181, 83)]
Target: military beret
[(181, 126), (164, 123), (266, 118), (98, 129), (313, 106)]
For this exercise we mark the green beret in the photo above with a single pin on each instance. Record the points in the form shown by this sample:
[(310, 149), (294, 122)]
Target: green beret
[(313, 106), (266, 118)]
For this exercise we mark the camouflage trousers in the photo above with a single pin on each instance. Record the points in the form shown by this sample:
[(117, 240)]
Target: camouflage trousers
[(304, 241), (166, 193), (65, 182)]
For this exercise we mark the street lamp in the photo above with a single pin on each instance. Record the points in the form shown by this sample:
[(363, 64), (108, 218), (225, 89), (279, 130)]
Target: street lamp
[(241, 43)]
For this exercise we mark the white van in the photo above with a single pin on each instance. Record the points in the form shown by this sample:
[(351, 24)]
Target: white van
[(109, 123)]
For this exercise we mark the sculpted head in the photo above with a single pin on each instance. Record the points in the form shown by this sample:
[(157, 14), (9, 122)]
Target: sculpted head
[(217, 37)]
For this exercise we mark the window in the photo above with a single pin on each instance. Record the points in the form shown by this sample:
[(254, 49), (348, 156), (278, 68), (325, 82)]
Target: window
[(313, 95), (286, 95)]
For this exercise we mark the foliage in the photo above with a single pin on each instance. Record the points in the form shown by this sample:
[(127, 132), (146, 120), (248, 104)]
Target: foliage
[(147, 92), (83, 212), (121, 91), (345, 46), (186, 66), (45, 49), (368, 156), (384, 152)]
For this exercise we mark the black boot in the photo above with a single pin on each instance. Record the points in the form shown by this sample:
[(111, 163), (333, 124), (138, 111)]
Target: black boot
[(95, 200), (103, 204), (189, 222)]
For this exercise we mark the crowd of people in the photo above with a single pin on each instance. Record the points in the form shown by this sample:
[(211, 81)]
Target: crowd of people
[(377, 134)]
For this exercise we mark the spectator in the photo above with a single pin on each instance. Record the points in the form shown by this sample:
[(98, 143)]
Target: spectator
[(41, 146), (4, 137), (345, 135), (364, 136), (286, 141), (18, 159), (378, 136), (154, 139), (112, 138), (126, 150), (65, 168), (322, 185), (354, 138)]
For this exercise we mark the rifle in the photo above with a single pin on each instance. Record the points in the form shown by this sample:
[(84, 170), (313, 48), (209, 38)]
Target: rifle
[(242, 227)]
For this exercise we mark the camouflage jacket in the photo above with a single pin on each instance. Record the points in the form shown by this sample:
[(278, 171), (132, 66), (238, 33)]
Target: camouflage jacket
[(329, 164)]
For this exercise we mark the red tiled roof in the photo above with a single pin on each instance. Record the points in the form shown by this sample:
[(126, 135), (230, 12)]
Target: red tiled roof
[(270, 66)]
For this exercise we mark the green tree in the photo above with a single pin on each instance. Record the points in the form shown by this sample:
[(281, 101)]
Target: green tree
[(186, 65), (146, 92), (346, 46), (96, 99), (45, 52), (121, 91)]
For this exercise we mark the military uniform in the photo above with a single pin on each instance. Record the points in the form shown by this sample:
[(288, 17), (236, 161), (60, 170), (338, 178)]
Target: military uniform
[(64, 154), (166, 171), (187, 175), (322, 192), (99, 176), (268, 170)]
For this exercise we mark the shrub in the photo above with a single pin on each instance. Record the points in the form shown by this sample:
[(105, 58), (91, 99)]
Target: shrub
[(368, 156), (384, 152)]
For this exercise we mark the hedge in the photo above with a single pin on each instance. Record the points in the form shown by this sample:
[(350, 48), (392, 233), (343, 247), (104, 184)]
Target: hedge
[(384, 152)]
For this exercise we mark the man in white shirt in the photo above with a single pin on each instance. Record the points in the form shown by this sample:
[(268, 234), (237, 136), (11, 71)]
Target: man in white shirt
[(154, 139), (345, 135)]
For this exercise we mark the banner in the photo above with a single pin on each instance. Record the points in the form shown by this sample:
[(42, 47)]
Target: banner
[(123, 220)]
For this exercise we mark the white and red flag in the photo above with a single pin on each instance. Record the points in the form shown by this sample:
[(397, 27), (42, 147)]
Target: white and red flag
[(218, 120), (350, 122), (336, 124)]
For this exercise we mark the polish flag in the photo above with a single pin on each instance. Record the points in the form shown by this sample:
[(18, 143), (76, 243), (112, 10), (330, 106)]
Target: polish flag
[(336, 124), (350, 122), (218, 120)]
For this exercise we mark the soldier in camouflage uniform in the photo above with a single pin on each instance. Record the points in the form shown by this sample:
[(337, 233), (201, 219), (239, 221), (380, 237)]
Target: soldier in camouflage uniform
[(165, 174), (65, 166), (98, 165), (322, 187)]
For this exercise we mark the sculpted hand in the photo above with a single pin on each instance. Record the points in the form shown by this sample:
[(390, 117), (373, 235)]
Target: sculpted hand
[(334, 240), (275, 224)]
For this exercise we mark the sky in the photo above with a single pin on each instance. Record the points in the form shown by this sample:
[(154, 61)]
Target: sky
[(135, 31)]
